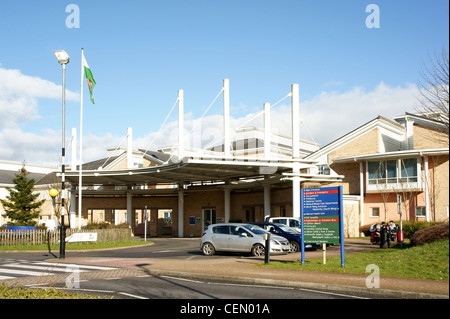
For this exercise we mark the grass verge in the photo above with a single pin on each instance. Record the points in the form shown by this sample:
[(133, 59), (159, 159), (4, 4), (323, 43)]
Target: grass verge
[(429, 261), (42, 293)]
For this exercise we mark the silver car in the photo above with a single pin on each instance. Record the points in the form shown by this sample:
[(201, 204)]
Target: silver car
[(240, 238)]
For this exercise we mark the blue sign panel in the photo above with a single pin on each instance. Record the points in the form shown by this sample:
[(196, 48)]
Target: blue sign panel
[(322, 216)]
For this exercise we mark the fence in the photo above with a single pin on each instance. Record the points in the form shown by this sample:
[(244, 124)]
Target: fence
[(40, 237)]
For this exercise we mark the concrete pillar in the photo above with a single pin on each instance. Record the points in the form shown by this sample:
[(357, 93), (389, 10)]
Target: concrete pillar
[(130, 208), (181, 213), (266, 201), (267, 140), (129, 148), (295, 106), (227, 192), (180, 124)]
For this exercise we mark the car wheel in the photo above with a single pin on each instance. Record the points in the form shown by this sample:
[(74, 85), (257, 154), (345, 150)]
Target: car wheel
[(295, 247), (258, 250), (208, 249)]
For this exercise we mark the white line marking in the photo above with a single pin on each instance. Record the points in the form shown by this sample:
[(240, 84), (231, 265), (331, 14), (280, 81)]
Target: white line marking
[(183, 279)]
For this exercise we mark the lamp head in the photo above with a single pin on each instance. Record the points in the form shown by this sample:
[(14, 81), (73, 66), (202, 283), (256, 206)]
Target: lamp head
[(53, 192), (62, 56)]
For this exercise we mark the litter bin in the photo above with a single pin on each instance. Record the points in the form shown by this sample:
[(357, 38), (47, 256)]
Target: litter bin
[(400, 236), (384, 237)]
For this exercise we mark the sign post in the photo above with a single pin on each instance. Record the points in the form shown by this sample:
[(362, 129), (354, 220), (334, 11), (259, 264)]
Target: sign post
[(322, 218), (145, 224)]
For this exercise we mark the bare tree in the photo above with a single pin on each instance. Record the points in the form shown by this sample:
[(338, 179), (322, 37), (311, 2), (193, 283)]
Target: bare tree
[(433, 87)]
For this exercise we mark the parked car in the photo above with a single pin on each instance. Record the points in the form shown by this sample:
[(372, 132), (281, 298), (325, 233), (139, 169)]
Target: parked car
[(292, 222), (236, 237), (290, 234)]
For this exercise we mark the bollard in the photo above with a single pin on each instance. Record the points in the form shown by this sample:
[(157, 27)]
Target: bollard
[(384, 237), (267, 248)]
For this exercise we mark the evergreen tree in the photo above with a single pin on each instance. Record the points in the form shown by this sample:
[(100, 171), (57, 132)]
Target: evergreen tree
[(21, 205)]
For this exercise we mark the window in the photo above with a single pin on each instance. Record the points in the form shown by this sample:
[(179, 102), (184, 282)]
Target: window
[(221, 230), (374, 212), (382, 172), (166, 216), (421, 211), (409, 170), (399, 171), (323, 169)]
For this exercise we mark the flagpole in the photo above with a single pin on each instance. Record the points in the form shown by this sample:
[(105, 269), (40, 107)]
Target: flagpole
[(80, 183)]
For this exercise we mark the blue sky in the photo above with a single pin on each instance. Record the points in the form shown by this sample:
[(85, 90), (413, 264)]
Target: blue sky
[(142, 52)]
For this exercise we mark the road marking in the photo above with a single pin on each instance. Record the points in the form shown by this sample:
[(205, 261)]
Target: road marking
[(22, 272), (133, 296), (183, 279), (76, 265), (40, 269)]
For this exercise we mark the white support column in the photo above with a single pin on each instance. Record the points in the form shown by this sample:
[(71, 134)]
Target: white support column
[(130, 208), (295, 106), (296, 193), (267, 128), (180, 124), (361, 193), (73, 207), (129, 148), (73, 195), (226, 117), (181, 213), (74, 162), (227, 205), (267, 202), (425, 186)]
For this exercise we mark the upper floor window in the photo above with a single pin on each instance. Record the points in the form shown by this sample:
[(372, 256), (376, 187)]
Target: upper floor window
[(401, 171)]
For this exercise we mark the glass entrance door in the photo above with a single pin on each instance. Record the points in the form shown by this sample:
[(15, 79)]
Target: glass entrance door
[(209, 217)]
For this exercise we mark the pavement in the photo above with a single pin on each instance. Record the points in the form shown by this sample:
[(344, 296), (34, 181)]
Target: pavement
[(243, 270)]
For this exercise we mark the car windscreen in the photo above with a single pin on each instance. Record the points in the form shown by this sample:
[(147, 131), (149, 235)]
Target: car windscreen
[(294, 223), (255, 229), (286, 229)]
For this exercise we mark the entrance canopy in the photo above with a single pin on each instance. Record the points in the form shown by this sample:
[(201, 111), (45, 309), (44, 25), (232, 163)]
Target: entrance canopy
[(192, 170)]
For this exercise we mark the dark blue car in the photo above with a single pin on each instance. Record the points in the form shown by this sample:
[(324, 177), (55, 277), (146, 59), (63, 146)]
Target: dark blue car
[(291, 235)]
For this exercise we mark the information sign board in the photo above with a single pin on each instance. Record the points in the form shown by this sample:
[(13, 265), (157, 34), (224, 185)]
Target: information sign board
[(322, 217)]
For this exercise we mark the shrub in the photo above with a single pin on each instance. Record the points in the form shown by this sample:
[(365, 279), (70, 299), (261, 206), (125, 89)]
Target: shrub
[(365, 229), (430, 234), (105, 225), (409, 227)]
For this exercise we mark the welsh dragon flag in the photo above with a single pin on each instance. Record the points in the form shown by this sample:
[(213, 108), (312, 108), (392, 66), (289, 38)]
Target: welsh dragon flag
[(90, 78)]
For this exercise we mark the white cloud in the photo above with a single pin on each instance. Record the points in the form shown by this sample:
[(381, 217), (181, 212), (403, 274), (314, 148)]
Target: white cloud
[(330, 115), (19, 96), (33, 148)]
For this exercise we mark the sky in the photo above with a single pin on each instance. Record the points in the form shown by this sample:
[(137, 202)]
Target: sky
[(353, 62)]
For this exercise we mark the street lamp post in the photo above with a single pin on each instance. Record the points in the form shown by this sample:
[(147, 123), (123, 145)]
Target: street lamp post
[(63, 59)]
